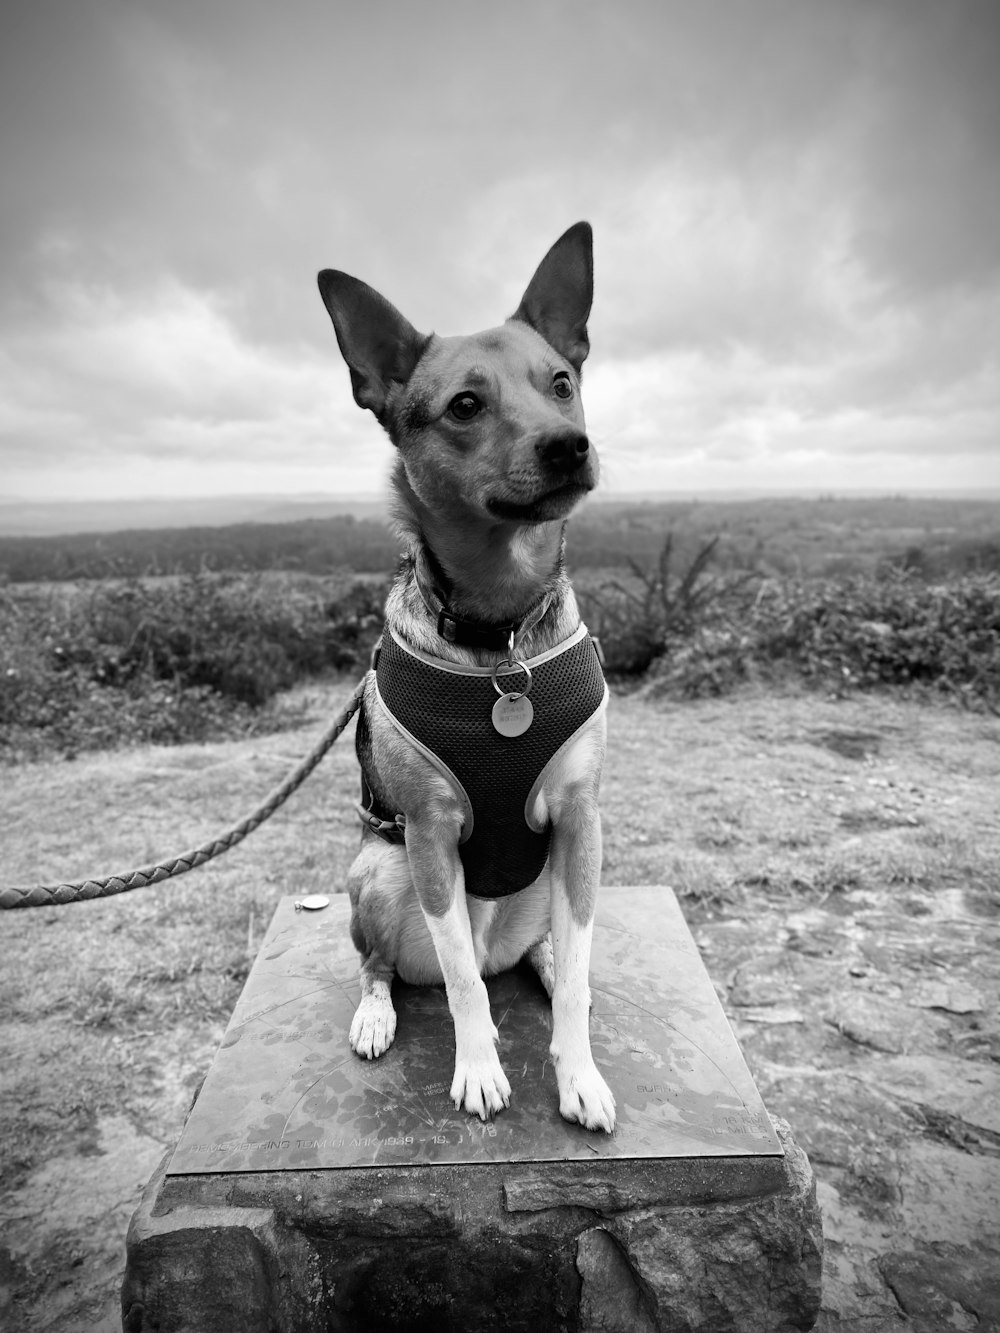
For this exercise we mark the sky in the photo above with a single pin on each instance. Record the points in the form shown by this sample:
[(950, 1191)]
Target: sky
[(796, 208)]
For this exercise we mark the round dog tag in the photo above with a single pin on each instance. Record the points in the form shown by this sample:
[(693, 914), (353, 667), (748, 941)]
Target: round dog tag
[(312, 902), (512, 714)]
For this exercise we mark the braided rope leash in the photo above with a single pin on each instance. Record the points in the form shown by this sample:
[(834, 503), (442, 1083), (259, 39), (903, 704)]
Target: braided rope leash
[(54, 895)]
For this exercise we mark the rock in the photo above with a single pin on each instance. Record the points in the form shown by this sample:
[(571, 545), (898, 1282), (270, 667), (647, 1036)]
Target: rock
[(943, 1182), (877, 1022), (844, 1122), (966, 1090), (761, 981), (704, 1265), (777, 1016), (954, 999), (322, 1251), (612, 1298), (943, 1285), (775, 978)]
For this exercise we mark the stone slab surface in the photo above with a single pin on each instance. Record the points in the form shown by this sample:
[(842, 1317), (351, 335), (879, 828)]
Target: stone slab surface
[(286, 1093)]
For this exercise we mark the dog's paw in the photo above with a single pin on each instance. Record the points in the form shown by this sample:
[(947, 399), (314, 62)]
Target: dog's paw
[(584, 1097), (374, 1026), (480, 1085)]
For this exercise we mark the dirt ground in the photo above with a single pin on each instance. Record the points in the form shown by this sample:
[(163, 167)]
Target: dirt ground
[(839, 863)]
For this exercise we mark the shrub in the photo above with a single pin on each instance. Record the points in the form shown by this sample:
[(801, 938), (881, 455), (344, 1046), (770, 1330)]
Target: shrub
[(893, 630), (171, 660), (93, 666), (860, 632), (697, 631), (639, 618)]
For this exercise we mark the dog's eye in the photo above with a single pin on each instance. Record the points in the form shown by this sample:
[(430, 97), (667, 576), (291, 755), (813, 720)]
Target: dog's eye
[(562, 386), (464, 406)]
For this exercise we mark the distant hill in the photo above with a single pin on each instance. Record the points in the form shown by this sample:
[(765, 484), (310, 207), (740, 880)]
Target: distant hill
[(311, 545), (36, 518), (779, 536)]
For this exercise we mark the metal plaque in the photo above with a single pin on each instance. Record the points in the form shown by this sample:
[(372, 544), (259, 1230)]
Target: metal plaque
[(286, 1092)]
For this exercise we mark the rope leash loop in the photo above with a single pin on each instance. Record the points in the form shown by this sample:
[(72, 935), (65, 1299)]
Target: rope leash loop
[(55, 895)]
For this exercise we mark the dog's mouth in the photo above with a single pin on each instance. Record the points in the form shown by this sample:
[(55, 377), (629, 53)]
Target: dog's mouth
[(556, 503)]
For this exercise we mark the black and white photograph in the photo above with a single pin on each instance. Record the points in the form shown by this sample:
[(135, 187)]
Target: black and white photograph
[(500, 666)]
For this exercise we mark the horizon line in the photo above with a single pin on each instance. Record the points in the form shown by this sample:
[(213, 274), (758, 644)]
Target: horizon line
[(637, 496)]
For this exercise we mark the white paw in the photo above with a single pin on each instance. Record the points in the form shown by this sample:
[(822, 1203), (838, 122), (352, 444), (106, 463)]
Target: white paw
[(480, 1085), (374, 1026), (586, 1098)]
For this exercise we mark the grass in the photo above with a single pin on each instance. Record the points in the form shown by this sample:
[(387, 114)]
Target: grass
[(758, 802), (744, 795)]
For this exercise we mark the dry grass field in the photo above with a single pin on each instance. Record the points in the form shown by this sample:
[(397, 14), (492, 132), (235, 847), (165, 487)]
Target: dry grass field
[(839, 862)]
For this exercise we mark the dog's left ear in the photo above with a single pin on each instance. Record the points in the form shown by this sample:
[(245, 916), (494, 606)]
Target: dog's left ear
[(557, 302)]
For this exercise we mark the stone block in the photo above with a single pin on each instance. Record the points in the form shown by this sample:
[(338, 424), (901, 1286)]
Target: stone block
[(311, 1190)]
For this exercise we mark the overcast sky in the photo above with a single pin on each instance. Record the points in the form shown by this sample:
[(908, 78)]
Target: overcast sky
[(796, 206)]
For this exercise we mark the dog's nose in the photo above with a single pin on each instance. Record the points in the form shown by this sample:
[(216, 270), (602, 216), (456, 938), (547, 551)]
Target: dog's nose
[(565, 453)]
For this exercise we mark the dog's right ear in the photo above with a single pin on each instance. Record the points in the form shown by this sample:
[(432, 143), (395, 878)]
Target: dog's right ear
[(381, 348)]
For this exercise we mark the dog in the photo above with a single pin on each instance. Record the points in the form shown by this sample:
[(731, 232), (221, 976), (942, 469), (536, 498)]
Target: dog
[(468, 862)]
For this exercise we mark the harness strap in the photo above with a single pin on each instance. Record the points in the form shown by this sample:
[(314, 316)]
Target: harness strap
[(391, 830)]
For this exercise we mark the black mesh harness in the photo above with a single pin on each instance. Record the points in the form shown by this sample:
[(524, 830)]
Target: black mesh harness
[(445, 710)]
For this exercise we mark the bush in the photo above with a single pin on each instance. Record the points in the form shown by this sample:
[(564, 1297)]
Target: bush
[(894, 630), (655, 608), (855, 633), (698, 632), (167, 661), (90, 666)]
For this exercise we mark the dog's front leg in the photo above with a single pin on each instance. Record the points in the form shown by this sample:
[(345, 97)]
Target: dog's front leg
[(480, 1084), (575, 867)]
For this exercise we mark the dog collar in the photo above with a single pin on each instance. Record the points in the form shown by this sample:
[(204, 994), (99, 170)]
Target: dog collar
[(445, 664), (458, 630)]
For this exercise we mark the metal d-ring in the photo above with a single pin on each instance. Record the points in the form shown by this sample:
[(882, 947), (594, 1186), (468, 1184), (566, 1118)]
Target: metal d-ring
[(512, 662)]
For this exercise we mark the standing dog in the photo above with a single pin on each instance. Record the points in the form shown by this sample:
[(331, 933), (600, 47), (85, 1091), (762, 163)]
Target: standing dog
[(469, 859)]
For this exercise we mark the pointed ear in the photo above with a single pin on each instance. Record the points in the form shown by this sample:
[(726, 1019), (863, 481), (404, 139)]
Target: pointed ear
[(381, 348), (557, 302)]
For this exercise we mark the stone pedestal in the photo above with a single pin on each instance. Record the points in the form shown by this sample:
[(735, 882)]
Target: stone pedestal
[(313, 1192)]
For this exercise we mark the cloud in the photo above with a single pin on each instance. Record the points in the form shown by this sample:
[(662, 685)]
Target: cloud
[(796, 207), (165, 376), (926, 146)]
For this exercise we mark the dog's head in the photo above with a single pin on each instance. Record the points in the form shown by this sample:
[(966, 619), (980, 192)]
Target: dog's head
[(488, 425)]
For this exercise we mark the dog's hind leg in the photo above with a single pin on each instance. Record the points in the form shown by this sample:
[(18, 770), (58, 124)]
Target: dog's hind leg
[(376, 882), (374, 1024), (541, 959)]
